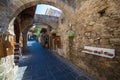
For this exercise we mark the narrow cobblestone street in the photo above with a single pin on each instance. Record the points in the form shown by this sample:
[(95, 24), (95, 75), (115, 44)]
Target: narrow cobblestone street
[(41, 64)]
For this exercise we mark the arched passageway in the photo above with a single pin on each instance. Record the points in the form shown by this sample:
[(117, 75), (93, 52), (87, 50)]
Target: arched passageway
[(25, 21), (88, 26), (26, 10), (39, 58), (21, 18)]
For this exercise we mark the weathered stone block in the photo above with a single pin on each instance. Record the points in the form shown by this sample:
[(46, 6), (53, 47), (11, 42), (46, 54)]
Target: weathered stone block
[(104, 41), (2, 68), (116, 33), (88, 34), (2, 60), (89, 29), (115, 41)]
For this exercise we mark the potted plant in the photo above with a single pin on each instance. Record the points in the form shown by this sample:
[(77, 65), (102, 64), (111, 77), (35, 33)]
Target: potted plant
[(71, 34)]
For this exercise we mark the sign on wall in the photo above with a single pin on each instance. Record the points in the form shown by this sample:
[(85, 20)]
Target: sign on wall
[(104, 52)]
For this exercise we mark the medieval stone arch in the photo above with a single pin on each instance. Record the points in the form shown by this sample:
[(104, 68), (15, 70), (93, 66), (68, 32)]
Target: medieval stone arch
[(18, 8)]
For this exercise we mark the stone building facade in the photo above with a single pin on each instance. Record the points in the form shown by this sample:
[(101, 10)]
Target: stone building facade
[(96, 23)]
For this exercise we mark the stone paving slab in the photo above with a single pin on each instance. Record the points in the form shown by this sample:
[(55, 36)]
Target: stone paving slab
[(41, 64)]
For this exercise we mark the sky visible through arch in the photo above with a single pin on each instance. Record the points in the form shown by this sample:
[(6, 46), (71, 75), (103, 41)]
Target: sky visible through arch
[(41, 8)]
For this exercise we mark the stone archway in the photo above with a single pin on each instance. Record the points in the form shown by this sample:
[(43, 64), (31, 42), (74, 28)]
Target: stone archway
[(21, 5), (18, 7), (26, 30)]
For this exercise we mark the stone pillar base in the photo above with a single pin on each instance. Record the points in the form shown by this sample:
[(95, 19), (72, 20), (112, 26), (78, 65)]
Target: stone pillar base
[(17, 53)]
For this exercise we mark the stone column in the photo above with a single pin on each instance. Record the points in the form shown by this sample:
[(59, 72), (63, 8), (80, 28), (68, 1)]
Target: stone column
[(25, 39), (17, 53), (17, 50)]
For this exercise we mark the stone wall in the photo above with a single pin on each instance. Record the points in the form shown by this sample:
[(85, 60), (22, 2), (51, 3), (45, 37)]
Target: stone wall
[(7, 68), (62, 32), (7, 59), (45, 19), (97, 24), (6, 46)]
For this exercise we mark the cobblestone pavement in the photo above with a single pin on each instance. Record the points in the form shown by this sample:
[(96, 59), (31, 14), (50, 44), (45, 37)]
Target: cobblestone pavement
[(41, 64)]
